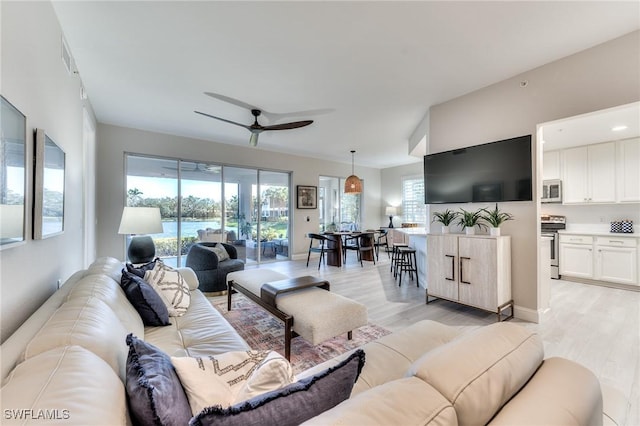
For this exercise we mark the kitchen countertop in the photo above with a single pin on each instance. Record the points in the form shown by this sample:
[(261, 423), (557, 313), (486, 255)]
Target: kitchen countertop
[(418, 232), (600, 233)]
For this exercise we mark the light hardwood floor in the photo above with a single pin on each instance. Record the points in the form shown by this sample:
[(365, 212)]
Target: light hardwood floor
[(597, 327)]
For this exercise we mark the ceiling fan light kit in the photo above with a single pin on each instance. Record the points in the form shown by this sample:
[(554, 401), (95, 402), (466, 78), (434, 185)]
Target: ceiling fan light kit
[(353, 184)]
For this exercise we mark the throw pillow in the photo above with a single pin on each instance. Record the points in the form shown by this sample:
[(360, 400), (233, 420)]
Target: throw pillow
[(140, 270), (222, 379), (172, 288), (144, 299), (293, 404), (154, 391), (220, 251)]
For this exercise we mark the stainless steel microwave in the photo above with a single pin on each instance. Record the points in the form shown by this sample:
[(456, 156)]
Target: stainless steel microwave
[(552, 191)]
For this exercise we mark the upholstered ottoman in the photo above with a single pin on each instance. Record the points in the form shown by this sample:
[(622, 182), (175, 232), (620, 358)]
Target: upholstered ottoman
[(304, 304)]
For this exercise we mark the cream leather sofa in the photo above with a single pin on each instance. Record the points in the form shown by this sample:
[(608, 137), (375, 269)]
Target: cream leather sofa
[(68, 359)]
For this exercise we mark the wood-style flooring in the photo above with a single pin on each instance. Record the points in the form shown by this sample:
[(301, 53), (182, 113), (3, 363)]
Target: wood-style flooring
[(598, 327)]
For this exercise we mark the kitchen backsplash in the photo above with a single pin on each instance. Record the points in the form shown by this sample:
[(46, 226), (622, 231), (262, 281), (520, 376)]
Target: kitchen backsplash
[(595, 217)]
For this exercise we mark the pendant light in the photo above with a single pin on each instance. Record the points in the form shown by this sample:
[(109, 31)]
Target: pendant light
[(353, 184)]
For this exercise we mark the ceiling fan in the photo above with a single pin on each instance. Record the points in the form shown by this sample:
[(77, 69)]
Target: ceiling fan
[(198, 167), (256, 128)]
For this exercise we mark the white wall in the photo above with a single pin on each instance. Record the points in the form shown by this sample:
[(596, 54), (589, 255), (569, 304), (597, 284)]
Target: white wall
[(392, 187), (601, 77), (35, 80), (114, 141)]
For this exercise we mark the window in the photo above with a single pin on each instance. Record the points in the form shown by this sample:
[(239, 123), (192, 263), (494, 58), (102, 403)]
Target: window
[(413, 208), (338, 211)]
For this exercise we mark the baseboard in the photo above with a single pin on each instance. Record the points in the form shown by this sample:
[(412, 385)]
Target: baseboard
[(301, 256), (526, 314)]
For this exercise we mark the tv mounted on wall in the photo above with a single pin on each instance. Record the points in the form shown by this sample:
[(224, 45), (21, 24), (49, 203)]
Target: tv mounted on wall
[(491, 172)]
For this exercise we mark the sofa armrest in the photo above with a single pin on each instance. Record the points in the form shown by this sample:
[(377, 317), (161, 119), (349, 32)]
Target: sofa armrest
[(562, 392), (190, 277)]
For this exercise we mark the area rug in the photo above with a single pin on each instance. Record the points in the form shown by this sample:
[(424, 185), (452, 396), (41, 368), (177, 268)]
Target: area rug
[(264, 332)]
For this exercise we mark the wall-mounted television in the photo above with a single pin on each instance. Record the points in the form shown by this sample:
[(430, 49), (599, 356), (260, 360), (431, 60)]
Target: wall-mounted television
[(491, 172)]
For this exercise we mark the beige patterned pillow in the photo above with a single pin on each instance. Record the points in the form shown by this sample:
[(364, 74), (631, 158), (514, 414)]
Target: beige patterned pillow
[(220, 251), (231, 377), (171, 287)]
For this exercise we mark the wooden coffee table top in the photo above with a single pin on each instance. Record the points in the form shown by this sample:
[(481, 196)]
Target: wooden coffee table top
[(269, 291)]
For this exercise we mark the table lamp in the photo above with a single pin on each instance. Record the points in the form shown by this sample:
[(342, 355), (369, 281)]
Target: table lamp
[(136, 221), (391, 212)]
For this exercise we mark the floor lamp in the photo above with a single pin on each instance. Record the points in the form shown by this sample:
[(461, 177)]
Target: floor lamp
[(136, 221)]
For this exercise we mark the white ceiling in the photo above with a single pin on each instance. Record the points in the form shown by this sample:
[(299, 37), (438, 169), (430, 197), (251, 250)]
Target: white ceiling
[(377, 65), (594, 127)]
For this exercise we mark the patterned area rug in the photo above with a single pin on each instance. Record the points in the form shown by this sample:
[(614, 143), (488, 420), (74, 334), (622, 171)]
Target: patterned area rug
[(264, 332)]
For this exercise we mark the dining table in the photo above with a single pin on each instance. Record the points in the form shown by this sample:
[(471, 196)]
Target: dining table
[(337, 240)]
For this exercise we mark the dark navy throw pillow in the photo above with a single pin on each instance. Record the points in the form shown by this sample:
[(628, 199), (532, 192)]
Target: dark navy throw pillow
[(145, 299)]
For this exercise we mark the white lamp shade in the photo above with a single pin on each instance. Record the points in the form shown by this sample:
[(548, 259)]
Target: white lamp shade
[(391, 211), (140, 220)]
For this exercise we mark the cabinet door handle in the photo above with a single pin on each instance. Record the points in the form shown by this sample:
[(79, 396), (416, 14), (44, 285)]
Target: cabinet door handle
[(616, 242), (453, 271), (462, 279)]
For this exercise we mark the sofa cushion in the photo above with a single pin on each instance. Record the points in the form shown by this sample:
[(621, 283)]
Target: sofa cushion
[(406, 401), (105, 266), (89, 323), (569, 393), (140, 270), (293, 404), (64, 383), (154, 391), (145, 299), (171, 286), (480, 371), (202, 332), (110, 292), (231, 377)]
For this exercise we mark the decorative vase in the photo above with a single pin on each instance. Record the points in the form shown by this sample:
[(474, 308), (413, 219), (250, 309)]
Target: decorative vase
[(445, 229), (494, 232), (470, 230)]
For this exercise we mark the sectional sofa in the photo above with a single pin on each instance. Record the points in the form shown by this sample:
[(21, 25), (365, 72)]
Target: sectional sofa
[(68, 362)]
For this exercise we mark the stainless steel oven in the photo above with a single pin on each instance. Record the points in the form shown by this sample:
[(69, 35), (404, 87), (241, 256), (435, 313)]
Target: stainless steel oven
[(551, 191), (549, 227)]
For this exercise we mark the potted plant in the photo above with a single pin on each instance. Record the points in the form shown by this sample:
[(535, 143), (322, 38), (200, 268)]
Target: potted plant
[(469, 220), (445, 218), (495, 218)]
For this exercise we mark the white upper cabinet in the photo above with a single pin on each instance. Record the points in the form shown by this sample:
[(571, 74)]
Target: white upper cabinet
[(551, 165), (589, 174), (628, 168)]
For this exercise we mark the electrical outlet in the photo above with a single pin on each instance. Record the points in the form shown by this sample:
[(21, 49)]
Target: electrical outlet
[(602, 220)]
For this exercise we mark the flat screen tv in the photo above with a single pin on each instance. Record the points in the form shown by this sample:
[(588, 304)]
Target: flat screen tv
[(491, 172)]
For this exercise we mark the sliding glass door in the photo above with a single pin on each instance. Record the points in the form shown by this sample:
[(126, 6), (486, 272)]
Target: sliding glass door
[(201, 202)]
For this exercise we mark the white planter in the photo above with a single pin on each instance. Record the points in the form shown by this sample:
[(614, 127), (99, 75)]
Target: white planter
[(470, 230), (494, 232), (445, 229)]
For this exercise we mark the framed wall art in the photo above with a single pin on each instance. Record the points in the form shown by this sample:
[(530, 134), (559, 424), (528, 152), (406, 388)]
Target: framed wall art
[(307, 197), (48, 204), (13, 130)]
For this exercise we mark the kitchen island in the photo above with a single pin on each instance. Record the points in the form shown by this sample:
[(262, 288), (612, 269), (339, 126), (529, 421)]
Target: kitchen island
[(416, 238)]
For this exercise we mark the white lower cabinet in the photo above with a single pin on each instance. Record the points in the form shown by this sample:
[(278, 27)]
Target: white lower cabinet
[(471, 270), (616, 260), (611, 258), (576, 256)]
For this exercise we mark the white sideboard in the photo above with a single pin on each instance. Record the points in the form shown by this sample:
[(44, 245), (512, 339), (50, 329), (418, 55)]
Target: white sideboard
[(473, 270)]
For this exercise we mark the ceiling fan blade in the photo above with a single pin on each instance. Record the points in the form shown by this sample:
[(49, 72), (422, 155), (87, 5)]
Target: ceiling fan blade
[(274, 116), (223, 119), (287, 126), (253, 140), (232, 101)]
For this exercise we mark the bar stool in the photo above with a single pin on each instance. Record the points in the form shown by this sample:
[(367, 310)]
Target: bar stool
[(395, 256), (407, 262)]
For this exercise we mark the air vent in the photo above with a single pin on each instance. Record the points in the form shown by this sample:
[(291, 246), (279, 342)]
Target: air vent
[(66, 57)]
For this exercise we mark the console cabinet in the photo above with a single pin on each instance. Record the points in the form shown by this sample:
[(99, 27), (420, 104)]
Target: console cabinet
[(473, 270)]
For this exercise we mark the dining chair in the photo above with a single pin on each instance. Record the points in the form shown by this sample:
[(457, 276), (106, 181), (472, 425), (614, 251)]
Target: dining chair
[(380, 240), (320, 247)]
